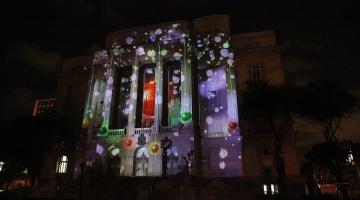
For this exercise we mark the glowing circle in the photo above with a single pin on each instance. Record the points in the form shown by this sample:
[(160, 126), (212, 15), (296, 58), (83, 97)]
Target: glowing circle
[(226, 45), (209, 120), (154, 148), (209, 72), (158, 31), (116, 51), (151, 53), (128, 142), (233, 125), (176, 134), (126, 111), (140, 51), (131, 107), (222, 165), (216, 109), (182, 78), (231, 55), (177, 56), (152, 38), (175, 79), (134, 95), (133, 77), (230, 61), (163, 52), (159, 100), (224, 53), (99, 149), (108, 93), (217, 39), (129, 40), (185, 116), (223, 153), (110, 81)]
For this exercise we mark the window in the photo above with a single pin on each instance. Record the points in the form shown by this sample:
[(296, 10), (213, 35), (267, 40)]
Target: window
[(265, 189), (270, 189), (2, 164), (256, 72), (61, 165), (350, 157)]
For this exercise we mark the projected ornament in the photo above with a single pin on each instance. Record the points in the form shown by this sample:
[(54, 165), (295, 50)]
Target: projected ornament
[(222, 165), (226, 45), (233, 125), (103, 131), (128, 142), (140, 51), (217, 39), (129, 40), (224, 52), (185, 116), (163, 52), (116, 51), (154, 148), (223, 153), (158, 31), (108, 93), (151, 53), (177, 56), (209, 120)]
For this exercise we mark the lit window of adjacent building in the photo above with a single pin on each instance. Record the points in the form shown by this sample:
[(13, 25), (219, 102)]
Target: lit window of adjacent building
[(270, 189), (2, 164), (256, 72), (265, 188), (350, 157), (61, 165)]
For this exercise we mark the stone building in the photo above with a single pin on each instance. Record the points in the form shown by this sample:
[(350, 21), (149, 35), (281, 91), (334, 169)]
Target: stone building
[(181, 81)]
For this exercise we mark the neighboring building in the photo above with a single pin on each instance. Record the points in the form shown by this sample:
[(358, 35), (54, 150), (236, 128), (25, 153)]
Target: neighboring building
[(173, 80), (43, 106)]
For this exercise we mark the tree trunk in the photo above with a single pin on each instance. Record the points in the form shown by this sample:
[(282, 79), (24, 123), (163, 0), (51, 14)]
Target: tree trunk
[(280, 169)]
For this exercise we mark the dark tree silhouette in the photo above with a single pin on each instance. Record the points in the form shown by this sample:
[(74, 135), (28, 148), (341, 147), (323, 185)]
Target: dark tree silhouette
[(331, 156), (25, 142), (273, 106), (326, 103), (307, 170)]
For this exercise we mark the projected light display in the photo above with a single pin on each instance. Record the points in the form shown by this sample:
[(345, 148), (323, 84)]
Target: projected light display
[(149, 97), (140, 91)]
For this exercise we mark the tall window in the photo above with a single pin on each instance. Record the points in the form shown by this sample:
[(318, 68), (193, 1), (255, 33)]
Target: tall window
[(148, 107), (122, 98), (61, 165), (256, 72), (213, 103), (171, 94), (141, 162)]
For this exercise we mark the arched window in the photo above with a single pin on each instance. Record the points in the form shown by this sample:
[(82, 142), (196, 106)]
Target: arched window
[(141, 161), (61, 165)]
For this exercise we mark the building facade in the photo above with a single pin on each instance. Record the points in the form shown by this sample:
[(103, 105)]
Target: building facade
[(180, 81)]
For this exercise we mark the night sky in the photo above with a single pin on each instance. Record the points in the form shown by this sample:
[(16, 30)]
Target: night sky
[(321, 38)]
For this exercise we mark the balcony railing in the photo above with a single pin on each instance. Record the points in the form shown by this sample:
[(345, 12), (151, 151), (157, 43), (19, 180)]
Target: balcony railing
[(121, 132), (142, 131)]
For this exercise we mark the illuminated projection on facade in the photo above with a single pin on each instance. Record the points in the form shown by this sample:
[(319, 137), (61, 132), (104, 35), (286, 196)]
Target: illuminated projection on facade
[(141, 90)]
